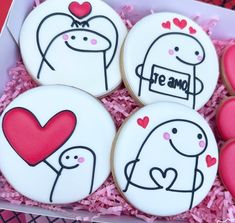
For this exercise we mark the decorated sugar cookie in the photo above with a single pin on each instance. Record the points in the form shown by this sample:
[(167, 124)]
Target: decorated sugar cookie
[(52, 144), (168, 57), (228, 69), (75, 43), (165, 153)]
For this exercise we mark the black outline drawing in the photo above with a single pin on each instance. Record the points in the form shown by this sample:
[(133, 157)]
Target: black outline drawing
[(41, 127), (77, 24), (140, 68), (59, 172), (164, 173)]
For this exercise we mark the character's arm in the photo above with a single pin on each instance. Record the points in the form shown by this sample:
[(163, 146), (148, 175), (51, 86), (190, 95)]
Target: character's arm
[(53, 168), (201, 90), (200, 181), (128, 175), (139, 74)]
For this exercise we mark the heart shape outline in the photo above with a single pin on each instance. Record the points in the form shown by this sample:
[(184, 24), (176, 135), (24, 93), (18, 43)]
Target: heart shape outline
[(80, 10), (180, 23), (164, 176), (143, 122), (22, 123)]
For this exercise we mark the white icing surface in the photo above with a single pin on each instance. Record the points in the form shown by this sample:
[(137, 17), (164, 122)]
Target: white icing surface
[(88, 145), (80, 52), (164, 50), (165, 137)]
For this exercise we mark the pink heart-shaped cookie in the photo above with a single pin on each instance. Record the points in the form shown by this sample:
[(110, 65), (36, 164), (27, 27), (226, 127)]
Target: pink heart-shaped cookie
[(225, 118), (227, 166), (228, 69)]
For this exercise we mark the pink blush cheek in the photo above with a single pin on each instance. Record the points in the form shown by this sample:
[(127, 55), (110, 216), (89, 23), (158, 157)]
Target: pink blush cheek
[(65, 37), (93, 41), (81, 160), (166, 136), (171, 52), (202, 144), (199, 58)]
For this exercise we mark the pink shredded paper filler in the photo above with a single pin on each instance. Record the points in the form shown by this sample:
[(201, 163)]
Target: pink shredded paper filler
[(218, 205)]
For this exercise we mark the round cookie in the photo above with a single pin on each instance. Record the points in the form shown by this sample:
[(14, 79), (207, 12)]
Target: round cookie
[(168, 57), (163, 154), (52, 144), (228, 69), (75, 43)]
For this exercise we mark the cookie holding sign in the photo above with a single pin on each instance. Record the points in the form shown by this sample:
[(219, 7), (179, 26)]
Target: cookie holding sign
[(75, 43), (172, 156), (174, 60), (58, 145)]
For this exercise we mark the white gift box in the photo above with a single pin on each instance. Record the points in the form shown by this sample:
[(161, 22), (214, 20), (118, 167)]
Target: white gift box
[(9, 34)]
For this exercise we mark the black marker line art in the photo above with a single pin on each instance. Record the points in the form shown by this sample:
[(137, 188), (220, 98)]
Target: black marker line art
[(140, 68), (80, 26), (169, 188)]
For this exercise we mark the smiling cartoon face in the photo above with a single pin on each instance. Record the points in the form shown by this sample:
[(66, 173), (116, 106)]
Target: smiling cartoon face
[(75, 157), (178, 133), (181, 47), (85, 41)]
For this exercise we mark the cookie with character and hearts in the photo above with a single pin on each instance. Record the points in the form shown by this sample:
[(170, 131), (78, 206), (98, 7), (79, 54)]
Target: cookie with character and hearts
[(75, 43)]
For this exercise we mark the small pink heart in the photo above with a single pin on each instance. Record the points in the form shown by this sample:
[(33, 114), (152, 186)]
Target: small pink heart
[(180, 23), (166, 25), (192, 30), (143, 122), (210, 161)]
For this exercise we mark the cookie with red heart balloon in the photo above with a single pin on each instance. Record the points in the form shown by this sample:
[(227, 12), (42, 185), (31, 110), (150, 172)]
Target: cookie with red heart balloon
[(75, 43), (228, 69), (55, 135)]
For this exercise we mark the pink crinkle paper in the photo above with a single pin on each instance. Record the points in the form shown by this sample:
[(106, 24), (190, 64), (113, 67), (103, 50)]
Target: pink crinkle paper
[(217, 206)]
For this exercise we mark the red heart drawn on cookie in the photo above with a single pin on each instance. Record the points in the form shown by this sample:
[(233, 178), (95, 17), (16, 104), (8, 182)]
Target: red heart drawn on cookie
[(210, 161), (143, 122), (80, 10), (228, 69), (166, 25), (227, 166), (225, 118), (192, 30), (180, 23), (32, 141)]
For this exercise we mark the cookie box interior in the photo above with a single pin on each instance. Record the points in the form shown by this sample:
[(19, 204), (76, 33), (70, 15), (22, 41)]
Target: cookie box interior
[(204, 14)]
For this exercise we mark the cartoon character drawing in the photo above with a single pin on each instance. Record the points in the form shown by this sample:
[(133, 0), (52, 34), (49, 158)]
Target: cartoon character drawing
[(77, 164), (169, 154), (77, 49), (170, 65)]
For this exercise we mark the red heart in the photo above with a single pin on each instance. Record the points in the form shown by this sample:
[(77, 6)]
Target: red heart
[(166, 25), (5, 8), (33, 142), (210, 161), (80, 10), (227, 166), (180, 23), (192, 30), (225, 119), (143, 122), (228, 69)]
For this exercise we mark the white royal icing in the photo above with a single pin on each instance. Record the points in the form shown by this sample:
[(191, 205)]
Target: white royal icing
[(75, 43), (52, 143), (168, 57), (165, 159)]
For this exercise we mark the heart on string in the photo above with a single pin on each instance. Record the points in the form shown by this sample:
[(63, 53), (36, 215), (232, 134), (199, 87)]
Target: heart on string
[(33, 142)]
